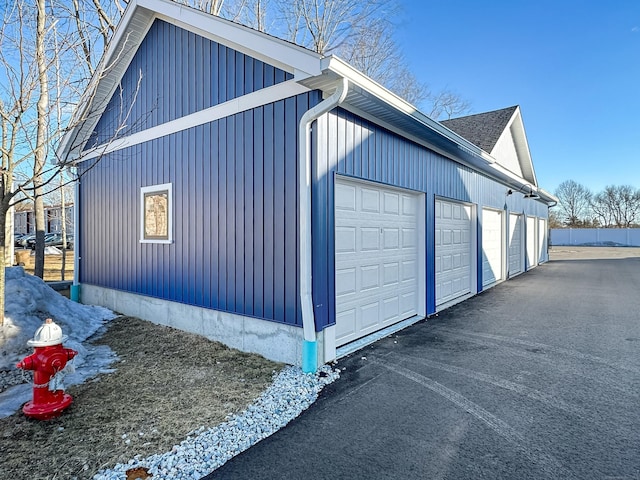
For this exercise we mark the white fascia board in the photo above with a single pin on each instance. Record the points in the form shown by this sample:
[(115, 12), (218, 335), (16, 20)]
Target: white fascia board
[(111, 54), (274, 51), (261, 97), (522, 145), (343, 69), (548, 196)]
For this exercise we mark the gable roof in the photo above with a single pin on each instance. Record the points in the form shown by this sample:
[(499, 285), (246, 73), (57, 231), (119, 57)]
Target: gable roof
[(364, 96), (482, 129), (131, 31), (489, 130)]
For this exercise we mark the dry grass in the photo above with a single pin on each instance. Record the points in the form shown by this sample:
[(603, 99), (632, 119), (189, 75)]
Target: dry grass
[(52, 266), (167, 383)]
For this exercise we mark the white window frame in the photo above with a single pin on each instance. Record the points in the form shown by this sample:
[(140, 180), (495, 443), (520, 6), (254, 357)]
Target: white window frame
[(165, 187)]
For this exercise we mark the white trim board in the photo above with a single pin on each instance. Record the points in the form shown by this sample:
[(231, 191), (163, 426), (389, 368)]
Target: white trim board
[(256, 99), (167, 187)]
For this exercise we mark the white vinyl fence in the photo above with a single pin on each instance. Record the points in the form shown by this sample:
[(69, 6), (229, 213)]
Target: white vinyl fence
[(622, 237)]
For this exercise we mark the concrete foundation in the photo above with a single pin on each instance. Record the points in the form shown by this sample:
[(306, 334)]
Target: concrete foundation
[(275, 341)]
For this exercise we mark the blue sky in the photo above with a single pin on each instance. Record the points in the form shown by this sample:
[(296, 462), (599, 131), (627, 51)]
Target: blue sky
[(572, 66)]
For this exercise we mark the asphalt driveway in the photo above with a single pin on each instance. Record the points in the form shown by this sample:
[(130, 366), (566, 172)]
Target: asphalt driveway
[(537, 378)]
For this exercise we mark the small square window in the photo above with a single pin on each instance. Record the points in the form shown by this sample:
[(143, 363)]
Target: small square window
[(156, 214)]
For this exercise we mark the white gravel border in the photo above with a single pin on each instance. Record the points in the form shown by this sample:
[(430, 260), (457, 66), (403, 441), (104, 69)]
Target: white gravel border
[(206, 449)]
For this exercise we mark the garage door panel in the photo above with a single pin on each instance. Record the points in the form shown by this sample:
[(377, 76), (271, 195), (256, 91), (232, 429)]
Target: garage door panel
[(346, 322), (369, 239), (409, 206), (409, 238), (516, 245), (542, 240), (391, 273), (384, 258), (409, 270), (391, 307), (345, 281), (370, 275), (370, 200), (345, 239), (391, 203), (492, 246), (532, 241), (345, 197), (407, 303), (452, 251), (391, 238)]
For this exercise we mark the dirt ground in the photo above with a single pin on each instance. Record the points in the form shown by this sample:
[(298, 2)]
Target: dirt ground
[(52, 266), (166, 384)]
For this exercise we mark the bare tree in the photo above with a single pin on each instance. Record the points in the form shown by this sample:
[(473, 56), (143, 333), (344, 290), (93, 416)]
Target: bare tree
[(324, 25), (28, 125), (574, 202), (252, 13), (447, 104), (362, 34), (554, 221), (42, 135), (601, 212), (212, 7), (373, 51), (617, 206)]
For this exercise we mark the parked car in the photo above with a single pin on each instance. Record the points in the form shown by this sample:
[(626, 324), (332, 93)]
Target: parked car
[(31, 243), (24, 241), (17, 237), (55, 240)]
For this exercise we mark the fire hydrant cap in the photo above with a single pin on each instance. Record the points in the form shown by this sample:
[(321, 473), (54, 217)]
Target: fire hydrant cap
[(47, 335)]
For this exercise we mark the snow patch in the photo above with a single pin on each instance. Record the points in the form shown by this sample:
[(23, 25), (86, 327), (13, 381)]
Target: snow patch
[(28, 302)]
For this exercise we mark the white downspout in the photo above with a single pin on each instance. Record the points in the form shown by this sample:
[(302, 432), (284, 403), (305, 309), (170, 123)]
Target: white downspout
[(75, 287), (310, 346)]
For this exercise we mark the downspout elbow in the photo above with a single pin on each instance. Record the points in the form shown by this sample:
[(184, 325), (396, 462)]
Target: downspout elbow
[(310, 348)]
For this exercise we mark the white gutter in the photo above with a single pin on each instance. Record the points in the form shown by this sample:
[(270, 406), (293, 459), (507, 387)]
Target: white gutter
[(373, 88), (310, 347)]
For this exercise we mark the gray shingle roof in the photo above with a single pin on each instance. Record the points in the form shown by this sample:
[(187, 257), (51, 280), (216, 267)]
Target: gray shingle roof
[(482, 129)]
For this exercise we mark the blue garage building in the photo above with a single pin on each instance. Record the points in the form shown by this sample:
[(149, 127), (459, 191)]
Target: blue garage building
[(244, 188)]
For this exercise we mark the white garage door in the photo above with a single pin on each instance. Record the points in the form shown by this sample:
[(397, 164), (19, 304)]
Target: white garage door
[(453, 250), (516, 239), (532, 242), (378, 256), (542, 240), (491, 246)]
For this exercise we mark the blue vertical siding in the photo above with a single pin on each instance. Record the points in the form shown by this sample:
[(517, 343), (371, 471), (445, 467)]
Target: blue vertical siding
[(235, 215), (180, 73), (349, 145)]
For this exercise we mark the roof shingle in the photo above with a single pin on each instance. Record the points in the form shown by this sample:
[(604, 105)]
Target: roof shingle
[(482, 129)]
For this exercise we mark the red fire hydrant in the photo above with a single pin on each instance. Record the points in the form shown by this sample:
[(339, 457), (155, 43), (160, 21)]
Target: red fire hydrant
[(49, 364)]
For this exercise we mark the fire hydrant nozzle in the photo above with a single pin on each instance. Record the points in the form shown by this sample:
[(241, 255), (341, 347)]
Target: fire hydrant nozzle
[(48, 363)]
